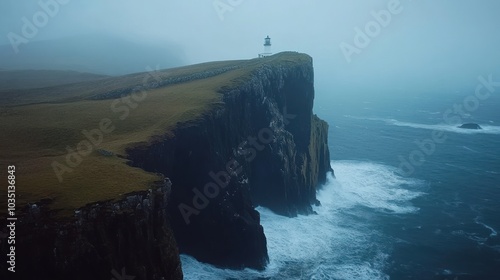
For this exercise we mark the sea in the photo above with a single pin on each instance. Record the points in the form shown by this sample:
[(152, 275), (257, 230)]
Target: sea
[(400, 205)]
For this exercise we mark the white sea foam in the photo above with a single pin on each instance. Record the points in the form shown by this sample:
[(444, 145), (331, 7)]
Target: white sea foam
[(493, 233), (469, 149), (429, 112), (341, 241), (373, 185), (480, 238), (486, 129)]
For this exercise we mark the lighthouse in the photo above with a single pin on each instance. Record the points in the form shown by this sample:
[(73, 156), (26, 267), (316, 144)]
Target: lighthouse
[(267, 47)]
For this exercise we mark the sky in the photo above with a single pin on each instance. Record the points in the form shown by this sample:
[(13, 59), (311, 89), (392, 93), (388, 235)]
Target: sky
[(423, 42)]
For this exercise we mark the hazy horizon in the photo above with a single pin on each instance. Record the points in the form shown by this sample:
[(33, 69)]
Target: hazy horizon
[(433, 42), (385, 166)]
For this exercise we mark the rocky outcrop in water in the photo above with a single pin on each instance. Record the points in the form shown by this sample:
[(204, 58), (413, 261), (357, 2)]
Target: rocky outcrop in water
[(470, 126)]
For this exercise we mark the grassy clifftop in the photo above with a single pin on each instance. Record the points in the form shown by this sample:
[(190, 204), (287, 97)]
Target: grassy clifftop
[(68, 142), (26, 79)]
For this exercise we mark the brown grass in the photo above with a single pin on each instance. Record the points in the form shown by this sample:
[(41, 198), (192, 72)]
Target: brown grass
[(35, 134)]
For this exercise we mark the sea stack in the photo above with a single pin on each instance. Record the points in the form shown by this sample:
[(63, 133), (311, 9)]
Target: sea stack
[(470, 126)]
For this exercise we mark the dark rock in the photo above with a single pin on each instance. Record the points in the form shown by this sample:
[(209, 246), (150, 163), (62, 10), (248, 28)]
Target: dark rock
[(100, 241), (261, 146), (470, 126), (267, 127)]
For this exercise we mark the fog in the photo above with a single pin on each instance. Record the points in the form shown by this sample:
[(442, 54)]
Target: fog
[(425, 44)]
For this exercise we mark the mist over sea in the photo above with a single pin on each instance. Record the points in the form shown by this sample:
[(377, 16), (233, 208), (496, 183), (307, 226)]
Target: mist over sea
[(376, 221), (413, 197)]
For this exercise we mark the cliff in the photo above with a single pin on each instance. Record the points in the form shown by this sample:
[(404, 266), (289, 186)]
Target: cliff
[(219, 139), (263, 146)]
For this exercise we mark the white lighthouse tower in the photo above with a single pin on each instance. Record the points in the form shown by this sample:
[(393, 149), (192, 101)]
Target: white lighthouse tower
[(267, 47)]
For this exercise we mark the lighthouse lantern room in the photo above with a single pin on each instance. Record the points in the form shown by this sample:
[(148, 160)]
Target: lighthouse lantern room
[(267, 47)]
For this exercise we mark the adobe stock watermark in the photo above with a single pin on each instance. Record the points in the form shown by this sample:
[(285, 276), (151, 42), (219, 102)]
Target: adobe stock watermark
[(453, 116), (94, 137), (247, 149), (30, 28), (122, 276), (223, 6), (372, 29)]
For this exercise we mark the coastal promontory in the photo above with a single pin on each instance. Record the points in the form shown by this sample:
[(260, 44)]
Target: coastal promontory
[(125, 173)]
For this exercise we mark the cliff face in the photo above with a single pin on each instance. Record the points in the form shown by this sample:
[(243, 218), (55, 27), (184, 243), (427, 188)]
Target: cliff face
[(108, 240), (263, 146)]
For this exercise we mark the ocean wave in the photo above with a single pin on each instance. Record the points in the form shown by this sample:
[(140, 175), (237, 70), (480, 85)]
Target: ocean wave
[(429, 112), (480, 240), (335, 243), (486, 129), (374, 186), (469, 149), (491, 229)]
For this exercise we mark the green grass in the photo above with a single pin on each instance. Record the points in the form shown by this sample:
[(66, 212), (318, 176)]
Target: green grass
[(26, 79), (38, 125)]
